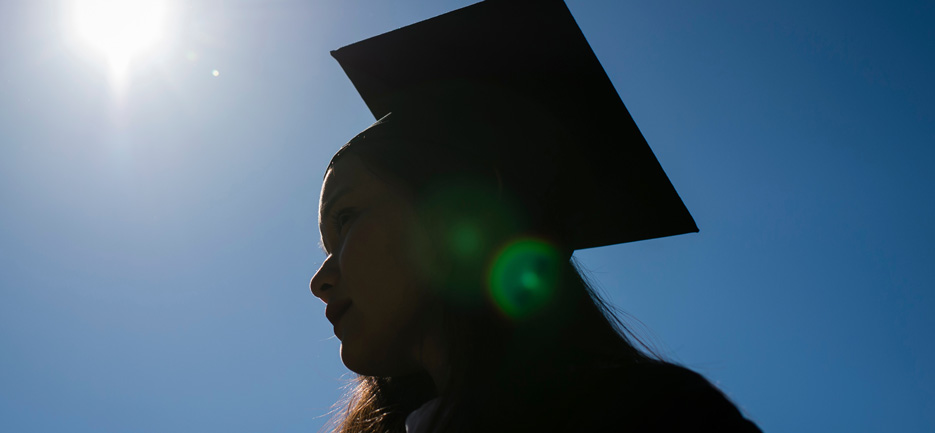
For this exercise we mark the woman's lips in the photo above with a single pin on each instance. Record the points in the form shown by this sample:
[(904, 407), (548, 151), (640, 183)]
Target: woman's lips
[(334, 311)]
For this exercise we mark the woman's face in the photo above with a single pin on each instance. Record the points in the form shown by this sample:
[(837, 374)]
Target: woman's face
[(377, 298)]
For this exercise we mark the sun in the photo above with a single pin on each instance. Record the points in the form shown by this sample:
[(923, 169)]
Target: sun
[(120, 29)]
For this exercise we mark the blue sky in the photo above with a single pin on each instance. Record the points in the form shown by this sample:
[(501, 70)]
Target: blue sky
[(157, 236)]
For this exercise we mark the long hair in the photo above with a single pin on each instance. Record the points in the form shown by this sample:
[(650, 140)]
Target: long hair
[(507, 373)]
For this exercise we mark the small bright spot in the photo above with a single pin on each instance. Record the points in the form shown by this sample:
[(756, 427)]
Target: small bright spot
[(121, 29), (215, 73)]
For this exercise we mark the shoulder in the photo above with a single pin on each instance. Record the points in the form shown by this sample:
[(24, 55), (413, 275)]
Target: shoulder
[(659, 397)]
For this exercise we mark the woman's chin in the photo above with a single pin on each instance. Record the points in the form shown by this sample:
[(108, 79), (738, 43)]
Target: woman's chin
[(367, 364), (357, 362)]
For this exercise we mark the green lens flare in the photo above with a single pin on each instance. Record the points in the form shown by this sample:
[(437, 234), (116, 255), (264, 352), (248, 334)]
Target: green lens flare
[(466, 239), (467, 217), (524, 277)]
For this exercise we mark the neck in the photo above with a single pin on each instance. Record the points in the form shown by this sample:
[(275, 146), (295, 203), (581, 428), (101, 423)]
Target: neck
[(433, 358), (433, 353)]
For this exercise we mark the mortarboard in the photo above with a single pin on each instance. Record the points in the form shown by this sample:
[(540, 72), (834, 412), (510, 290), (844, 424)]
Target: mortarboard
[(516, 83)]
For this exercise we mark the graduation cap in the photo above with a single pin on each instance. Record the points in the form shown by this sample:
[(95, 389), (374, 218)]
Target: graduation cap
[(516, 83)]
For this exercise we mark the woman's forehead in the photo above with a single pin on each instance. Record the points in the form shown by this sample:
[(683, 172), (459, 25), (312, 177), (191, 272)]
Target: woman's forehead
[(345, 175)]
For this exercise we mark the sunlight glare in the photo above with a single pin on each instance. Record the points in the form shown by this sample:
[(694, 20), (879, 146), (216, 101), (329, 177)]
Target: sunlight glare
[(120, 29)]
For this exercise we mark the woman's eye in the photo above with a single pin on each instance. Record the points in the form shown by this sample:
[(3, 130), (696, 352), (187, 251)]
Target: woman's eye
[(341, 219)]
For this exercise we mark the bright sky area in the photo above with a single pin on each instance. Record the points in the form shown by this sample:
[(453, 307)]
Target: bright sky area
[(158, 207)]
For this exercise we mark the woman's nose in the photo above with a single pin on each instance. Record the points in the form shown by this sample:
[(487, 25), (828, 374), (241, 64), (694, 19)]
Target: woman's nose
[(324, 279)]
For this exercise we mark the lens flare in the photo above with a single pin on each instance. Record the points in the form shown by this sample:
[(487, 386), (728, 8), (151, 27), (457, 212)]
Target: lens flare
[(466, 238), (468, 219), (524, 277)]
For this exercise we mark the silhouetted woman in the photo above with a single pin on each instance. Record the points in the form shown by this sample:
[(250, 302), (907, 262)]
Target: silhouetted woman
[(450, 223)]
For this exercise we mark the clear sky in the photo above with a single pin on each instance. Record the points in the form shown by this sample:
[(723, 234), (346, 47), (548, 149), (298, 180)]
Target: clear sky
[(157, 225)]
